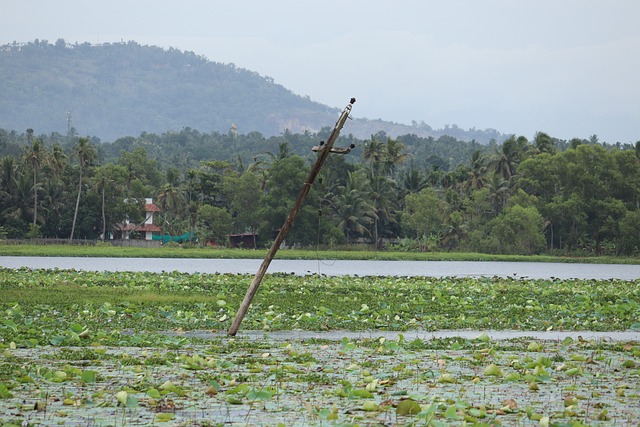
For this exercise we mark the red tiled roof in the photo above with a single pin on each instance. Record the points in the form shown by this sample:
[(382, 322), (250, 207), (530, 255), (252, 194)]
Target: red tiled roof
[(148, 227), (134, 227), (126, 227), (150, 207)]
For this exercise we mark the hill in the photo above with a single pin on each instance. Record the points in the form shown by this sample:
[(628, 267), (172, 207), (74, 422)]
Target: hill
[(122, 89)]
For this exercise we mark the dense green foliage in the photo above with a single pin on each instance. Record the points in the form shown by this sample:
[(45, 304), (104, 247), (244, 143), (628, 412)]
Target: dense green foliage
[(576, 198)]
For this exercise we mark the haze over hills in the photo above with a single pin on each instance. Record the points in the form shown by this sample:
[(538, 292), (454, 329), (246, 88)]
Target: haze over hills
[(123, 89)]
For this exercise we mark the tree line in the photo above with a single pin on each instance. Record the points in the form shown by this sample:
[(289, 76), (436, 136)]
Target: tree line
[(521, 196)]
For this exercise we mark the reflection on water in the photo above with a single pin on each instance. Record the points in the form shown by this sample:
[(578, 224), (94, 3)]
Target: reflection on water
[(533, 270)]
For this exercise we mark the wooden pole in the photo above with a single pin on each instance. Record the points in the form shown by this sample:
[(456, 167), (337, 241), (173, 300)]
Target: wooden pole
[(253, 288)]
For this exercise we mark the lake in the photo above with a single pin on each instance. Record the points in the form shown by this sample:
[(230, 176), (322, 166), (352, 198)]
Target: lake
[(521, 270)]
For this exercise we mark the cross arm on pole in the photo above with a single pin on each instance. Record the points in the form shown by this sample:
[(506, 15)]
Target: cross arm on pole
[(323, 152)]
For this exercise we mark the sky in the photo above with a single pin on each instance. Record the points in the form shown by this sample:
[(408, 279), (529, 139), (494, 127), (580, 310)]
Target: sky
[(565, 67)]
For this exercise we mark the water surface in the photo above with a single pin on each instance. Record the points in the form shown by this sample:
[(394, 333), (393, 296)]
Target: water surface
[(533, 270)]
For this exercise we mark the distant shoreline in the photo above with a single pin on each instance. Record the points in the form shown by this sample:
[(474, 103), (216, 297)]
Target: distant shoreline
[(310, 254)]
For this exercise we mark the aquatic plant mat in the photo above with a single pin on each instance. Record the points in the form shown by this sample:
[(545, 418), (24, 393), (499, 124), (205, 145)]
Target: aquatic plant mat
[(124, 349), (451, 381)]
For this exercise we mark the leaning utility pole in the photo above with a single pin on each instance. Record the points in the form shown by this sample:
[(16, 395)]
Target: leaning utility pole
[(323, 149)]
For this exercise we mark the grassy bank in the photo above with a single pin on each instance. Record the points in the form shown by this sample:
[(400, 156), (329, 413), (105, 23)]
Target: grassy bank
[(197, 252)]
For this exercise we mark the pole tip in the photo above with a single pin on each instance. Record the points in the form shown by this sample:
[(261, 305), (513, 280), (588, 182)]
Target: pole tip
[(352, 101)]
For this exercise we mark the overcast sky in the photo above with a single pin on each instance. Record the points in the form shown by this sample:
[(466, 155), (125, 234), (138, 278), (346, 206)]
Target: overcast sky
[(566, 67)]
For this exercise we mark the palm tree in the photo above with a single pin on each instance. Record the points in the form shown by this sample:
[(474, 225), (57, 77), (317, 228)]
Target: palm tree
[(374, 153), (283, 152), (394, 155), (412, 180), (353, 213), (86, 153), (101, 183), (8, 172), (543, 143), (18, 208), (53, 200), (455, 229), (171, 202), (498, 192), (170, 199), (57, 161), (383, 196), (476, 172), (512, 153), (34, 156)]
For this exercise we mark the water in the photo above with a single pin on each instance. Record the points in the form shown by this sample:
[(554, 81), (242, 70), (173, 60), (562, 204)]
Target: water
[(521, 270), (411, 335)]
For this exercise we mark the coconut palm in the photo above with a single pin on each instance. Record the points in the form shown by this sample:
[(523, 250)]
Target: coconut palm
[(412, 180), (476, 172), (19, 208), (34, 156), (374, 153), (57, 160), (170, 199), (394, 155), (509, 156), (86, 153), (382, 194), (455, 230), (101, 182), (354, 214), (8, 172), (171, 202), (543, 143)]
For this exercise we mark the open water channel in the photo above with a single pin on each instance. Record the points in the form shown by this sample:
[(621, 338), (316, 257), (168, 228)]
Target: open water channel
[(521, 270)]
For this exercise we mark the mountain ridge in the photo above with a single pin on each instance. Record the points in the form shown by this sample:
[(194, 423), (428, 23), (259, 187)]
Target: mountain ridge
[(113, 90)]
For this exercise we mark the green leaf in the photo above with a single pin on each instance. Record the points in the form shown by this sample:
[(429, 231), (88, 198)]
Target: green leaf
[(59, 376), (493, 370), (4, 392), (88, 377), (240, 389), (483, 337), (168, 386), (154, 393), (408, 407), (76, 328), (369, 406), (259, 395), (164, 417), (447, 378), (363, 394), (57, 340), (132, 401), (25, 379), (451, 412)]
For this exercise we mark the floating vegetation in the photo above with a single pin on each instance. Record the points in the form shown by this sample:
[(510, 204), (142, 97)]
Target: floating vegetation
[(116, 349)]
